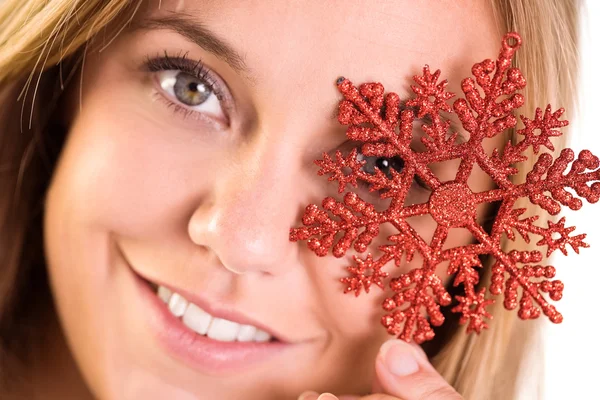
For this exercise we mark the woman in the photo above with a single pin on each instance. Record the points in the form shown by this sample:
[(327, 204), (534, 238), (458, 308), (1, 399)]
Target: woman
[(154, 156)]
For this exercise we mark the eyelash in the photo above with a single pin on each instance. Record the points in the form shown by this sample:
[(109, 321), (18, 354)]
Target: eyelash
[(191, 67)]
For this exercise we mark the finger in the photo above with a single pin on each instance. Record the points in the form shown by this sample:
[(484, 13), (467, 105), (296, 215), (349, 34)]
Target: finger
[(404, 371), (377, 387), (310, 395), (327, 396), (377, 396)]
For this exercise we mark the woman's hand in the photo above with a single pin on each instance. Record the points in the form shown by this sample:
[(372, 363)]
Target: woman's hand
[(403, 372)]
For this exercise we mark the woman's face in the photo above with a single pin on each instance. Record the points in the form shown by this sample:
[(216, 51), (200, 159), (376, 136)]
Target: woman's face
[(192, 180)]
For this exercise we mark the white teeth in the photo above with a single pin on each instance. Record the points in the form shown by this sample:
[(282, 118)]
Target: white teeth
[(262, 336), (223, 330), (177, 305), (197, 319), (164, 294), (246, 333), (203, 323)]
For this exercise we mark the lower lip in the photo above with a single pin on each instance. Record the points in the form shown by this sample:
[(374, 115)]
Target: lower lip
[(199, 351)]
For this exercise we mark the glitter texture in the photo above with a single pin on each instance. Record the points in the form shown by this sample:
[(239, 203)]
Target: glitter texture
[(385, 129)]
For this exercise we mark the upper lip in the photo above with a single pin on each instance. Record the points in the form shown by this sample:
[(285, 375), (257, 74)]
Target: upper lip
[(219, 311)]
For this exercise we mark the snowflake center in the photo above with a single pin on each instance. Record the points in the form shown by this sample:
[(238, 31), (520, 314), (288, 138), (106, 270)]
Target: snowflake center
[(452, 205)]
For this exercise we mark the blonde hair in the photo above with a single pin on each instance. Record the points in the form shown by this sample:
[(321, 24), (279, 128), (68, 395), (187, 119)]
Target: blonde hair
[(488, 366), (42, 44)]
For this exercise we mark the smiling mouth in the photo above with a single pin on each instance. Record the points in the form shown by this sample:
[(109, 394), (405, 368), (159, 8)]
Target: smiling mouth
[(205, 324)]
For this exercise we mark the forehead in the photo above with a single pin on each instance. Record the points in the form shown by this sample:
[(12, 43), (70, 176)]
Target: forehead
[(362, 40)]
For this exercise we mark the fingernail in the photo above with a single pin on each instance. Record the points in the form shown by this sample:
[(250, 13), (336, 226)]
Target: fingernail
[(308, 395), (399, 357), (327, 396), (420, 352)]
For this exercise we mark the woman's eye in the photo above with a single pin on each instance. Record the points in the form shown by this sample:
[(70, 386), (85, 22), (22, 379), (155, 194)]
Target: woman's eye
[(384, 164), (192, 92)]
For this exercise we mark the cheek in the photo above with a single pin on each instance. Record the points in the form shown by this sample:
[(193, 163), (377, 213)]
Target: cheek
[(118, 174), (358, 318), (121, 172)]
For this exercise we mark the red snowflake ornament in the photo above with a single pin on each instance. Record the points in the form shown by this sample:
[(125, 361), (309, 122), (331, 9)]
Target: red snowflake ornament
[(385, 130)]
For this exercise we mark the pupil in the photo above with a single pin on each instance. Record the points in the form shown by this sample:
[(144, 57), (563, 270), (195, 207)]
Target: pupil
[(190, 90), (384, 164)]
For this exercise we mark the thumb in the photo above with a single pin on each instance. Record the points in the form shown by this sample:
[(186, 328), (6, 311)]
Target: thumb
[(403, 370)]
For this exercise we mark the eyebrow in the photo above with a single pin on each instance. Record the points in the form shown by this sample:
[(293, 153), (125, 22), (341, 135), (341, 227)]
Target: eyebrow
[(193, 30), (201, 36)]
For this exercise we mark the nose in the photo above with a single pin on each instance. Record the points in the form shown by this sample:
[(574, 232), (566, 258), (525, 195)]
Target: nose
[(253, 205)]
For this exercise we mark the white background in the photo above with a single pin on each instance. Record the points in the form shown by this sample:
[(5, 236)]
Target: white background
[(572, 348)]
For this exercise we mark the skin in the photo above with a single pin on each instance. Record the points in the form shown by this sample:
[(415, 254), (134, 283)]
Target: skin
[(207, 206)]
